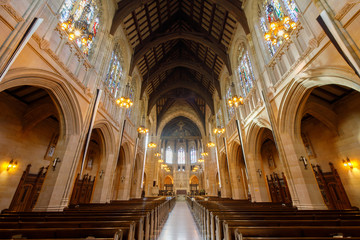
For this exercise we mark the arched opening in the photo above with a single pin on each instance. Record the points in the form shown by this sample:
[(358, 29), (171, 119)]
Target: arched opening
[(84, 185), (168, 185), (136, 182), (121, 186), (194, 185), (30, 132), (238, 174), (218, 187), (272, 169), (225, 177), (330, 136)]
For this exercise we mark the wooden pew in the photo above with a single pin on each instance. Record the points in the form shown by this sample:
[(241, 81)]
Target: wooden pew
[(295, 231), (67, 233), (134, 219), (229, 219)]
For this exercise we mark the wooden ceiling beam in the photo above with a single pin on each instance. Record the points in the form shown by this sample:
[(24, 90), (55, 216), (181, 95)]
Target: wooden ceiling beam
[(175, 81), (169, 102), (157, 39), (186, 63), (125, 7)]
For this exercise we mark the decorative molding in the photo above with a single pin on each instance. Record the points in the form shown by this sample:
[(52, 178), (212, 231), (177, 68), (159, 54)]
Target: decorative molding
[(4, 2), (348, 6), (9, 9)]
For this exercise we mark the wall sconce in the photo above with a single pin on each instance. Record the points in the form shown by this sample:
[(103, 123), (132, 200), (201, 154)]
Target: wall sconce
[(55, 162), (101, 173), (348, 163), (12, 165), (259, 172), (304, 160)]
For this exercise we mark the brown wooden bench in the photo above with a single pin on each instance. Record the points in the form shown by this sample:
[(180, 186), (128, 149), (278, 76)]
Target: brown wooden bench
[(125, 233)]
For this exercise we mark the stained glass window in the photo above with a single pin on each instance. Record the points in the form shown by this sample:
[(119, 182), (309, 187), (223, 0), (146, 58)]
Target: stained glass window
[(115, 73), (193, 155), (275, 11), (181, 156), (80, 19), (246, 73), (131, 96), (168, 155), (231, 110)]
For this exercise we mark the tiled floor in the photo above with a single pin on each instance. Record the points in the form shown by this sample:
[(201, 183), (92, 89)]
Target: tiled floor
[(180, 225)]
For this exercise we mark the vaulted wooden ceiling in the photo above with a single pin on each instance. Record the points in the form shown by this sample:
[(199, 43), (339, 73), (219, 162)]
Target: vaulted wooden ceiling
[(180, 46)]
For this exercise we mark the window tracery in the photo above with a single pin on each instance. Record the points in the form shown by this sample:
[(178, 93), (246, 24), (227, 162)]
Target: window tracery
[(181, 156), (231, 110), (275, 11), (81, 20), (115, 73), (131, 96), (169, 155), (245, 71), (193, 155)]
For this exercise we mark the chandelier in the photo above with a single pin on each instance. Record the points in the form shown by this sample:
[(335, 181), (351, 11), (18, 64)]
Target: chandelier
[(219, 130), (79, 28), (160, 160), (142, 130), (157, 154), (152, 145), (235, 100), (125, 101), (201, 160), (280, 30), (211, 144), (204, 154)]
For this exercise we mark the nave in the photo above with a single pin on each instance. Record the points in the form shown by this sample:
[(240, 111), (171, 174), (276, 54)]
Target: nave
[(180, 225), (112, 110), (165, 218)]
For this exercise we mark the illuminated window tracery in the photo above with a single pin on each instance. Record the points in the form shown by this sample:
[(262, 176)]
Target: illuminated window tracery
[(80, 19)]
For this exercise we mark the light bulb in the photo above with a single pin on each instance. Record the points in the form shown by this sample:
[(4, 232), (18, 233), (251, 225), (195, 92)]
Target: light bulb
[(77, 33)]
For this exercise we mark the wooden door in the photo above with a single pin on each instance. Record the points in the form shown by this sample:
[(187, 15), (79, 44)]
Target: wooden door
[(28, 190)]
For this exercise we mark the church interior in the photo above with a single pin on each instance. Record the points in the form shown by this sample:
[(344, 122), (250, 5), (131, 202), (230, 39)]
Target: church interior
[(179, 119)]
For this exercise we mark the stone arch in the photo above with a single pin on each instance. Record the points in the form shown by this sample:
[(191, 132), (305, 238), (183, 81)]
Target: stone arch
[(122, 178), (238, 173), (298, 91), (108, 137), (168, 180), (136, 179), (225, 176), (253, 134), (62, 93), (70, 122), (183, 113), (194, 180)]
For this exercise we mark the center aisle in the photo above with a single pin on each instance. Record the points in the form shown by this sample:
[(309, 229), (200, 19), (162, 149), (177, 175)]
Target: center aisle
[(180, 225)]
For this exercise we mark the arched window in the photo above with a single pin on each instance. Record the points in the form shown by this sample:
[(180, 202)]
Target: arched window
[(245, 71), (115, 73), (181, 156), (169, 155), (277, 11), (193, 155), (80, 19), (231, 110)]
